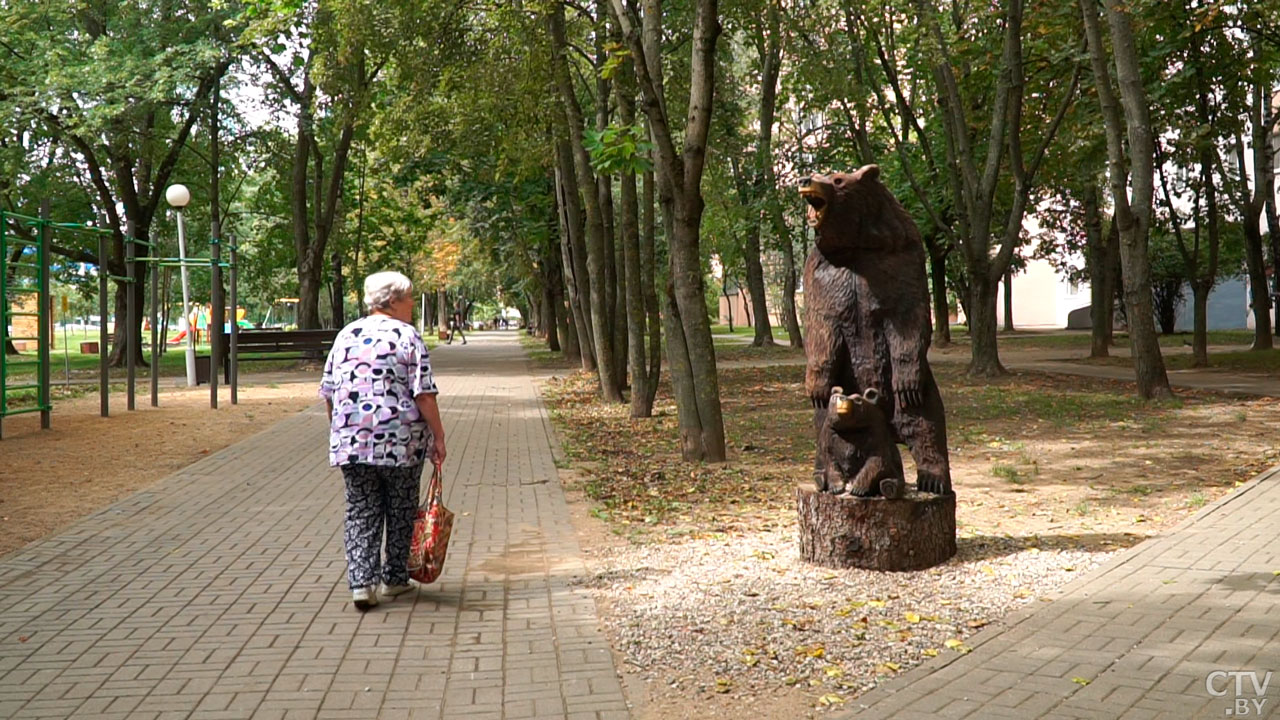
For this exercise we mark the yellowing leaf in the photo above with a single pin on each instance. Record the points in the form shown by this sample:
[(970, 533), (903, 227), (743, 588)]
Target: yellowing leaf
[(888, 667), (830, 699), (834, 671), (1080, 681), (817, 651), (931, 652), (912, 617), (723, 685), (988, 570), (751, 661)]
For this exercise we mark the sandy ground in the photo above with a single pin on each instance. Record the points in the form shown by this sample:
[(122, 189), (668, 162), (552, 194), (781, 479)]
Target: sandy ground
[(50, 479)]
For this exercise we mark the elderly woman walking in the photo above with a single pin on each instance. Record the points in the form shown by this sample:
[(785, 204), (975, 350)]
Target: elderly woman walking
[(383, 425)]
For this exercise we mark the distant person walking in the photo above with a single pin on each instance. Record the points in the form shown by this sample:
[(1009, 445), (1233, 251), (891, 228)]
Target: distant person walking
[(383, 424), (455, 326)]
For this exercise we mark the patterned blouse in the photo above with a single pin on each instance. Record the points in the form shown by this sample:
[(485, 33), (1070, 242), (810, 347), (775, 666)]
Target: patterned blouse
[(377, 366)]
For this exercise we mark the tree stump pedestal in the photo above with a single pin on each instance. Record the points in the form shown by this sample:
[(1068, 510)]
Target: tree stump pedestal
[(914, 532)]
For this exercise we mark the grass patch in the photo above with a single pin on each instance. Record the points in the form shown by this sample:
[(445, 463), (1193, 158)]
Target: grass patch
[(1081, 339), (738, 352), (1007, 472), (540, 356), (1033, 398)]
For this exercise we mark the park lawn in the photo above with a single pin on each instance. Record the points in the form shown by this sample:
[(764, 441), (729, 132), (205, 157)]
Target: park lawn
[(726, 351), (1044, 459), (1244, 361), (1080, 339)]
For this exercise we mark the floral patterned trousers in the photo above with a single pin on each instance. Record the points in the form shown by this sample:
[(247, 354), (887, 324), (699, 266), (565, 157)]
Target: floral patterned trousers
[(378, 497)]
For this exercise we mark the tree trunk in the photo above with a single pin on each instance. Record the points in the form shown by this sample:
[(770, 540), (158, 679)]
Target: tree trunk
[(686, 271), (633, 274), (1199, 341), (985, 356), (755, 288), (789, 315), (338, 292), (682, 386), (574, 253), (680, 177), (121, 308), (1132, 215), (1008, 300), (619, 309), (941, 309), (1258, 286), (553, 288), (600, 307), (649, 293), (1098, 264), (547, 322), (728, 302)]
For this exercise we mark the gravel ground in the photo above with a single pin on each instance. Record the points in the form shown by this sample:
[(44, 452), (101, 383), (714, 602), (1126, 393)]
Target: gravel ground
[(743, 615)]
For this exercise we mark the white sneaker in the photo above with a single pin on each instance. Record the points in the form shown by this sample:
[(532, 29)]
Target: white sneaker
[(364, 598), (394, 590)]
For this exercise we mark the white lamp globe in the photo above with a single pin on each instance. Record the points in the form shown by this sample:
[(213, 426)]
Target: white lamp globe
[(178, 196)]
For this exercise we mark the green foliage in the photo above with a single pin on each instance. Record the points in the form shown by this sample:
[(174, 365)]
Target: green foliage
[(619, 149)]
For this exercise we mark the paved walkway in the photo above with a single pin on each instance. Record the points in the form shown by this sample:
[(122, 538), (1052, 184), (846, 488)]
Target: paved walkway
[(1151, 634), (221, 592)]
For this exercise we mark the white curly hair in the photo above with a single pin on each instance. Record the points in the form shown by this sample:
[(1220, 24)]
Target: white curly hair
[(383, 288)]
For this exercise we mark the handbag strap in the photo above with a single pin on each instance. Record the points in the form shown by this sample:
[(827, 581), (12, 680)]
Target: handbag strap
[(435, 487)]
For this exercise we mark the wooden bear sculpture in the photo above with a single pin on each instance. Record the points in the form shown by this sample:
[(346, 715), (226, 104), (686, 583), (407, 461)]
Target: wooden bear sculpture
[(863, 459), (867, 321)]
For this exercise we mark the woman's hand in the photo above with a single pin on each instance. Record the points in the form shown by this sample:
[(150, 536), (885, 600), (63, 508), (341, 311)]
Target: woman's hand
[(431, 414)]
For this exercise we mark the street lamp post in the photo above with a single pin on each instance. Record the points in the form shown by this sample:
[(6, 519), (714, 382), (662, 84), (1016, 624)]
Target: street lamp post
[(178, 197)]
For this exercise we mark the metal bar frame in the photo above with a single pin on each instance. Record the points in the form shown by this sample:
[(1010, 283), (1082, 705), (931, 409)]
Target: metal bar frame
[(216, 313), (132, 344), (46, 306), (4, 321), (103, 390), (155, 335), (233, 353)]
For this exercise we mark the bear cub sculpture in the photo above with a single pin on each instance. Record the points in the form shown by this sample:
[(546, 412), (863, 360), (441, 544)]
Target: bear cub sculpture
[(863, 457), (868, 328)]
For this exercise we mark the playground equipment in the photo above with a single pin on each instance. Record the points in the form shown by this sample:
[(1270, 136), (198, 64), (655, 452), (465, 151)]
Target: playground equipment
[(36, 282), (288, 306), (11, 281)]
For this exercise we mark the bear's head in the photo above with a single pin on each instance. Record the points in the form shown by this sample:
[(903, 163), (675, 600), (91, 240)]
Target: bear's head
[(851, 412), (855, 211)]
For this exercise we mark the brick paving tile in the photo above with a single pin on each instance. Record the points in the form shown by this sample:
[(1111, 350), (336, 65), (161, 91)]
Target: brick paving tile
[(221, 591)]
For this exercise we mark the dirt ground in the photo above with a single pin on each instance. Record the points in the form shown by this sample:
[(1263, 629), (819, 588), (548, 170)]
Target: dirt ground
[(50, 479), (1043, 465)]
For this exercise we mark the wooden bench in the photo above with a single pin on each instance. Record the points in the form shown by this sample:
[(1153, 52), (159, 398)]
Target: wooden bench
[(278, 345)]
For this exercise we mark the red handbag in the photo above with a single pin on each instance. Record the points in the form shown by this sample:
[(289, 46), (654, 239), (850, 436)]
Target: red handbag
[(431, 532)]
